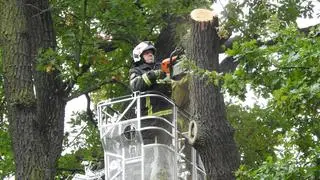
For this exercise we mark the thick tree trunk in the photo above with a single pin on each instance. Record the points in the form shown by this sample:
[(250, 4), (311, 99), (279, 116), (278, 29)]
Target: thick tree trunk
[(215, 135), (35, 99)]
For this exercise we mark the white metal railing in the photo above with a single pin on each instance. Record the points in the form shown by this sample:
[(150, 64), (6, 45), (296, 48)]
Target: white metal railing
[(139, 146)]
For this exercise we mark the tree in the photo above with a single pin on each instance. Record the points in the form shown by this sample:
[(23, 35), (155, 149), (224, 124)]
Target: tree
[(275, 57), (214, 140), (35, 99)]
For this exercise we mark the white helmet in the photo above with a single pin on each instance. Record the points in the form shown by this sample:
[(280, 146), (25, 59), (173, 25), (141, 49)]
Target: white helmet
[(140, 48)]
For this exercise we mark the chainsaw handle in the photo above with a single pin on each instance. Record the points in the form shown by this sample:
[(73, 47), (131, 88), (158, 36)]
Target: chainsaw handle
[(170, 64)]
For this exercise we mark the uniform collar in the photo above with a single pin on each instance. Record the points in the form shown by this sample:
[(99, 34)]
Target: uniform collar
[(147, 65)]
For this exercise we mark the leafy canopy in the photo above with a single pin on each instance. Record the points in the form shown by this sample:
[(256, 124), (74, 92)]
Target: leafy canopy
[(95, 39)]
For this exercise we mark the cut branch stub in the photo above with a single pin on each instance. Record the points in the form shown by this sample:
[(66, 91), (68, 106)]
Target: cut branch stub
[(203, 15), (205, 42)]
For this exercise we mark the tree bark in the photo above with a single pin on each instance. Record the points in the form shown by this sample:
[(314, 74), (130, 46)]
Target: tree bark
[(36, 100), (214, 140)]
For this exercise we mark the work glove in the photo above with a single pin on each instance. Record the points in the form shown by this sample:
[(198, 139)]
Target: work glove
[(160, 74), (155, 75)]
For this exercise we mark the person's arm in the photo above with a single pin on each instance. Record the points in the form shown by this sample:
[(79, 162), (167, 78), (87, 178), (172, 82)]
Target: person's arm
[(141, 82)]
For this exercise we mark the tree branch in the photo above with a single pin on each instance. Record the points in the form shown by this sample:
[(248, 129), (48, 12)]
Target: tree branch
[(91, 89), (83, 69), (81, 34), (76, 137), (106, 46), (89, 111), (229, 64), (71, 170), (228, 44)]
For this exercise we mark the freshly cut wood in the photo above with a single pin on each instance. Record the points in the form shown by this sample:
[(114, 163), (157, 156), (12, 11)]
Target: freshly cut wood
[(201, 15)]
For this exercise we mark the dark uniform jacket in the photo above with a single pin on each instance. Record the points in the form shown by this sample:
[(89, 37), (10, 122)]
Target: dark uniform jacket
[(149, 77)]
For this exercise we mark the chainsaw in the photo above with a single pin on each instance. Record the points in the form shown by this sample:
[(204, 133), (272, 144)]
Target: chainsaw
[(173, 66)]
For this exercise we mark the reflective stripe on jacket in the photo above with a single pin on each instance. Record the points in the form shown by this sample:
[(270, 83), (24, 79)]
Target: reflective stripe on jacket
[(145, 77), (142, 77)]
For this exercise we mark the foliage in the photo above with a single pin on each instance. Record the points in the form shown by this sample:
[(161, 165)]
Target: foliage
[(285, 68), (84, 146), (286, 72), (278, 61), (289, 165), (269, 150), (2, 102), (6, 154), (211, 76), (250, 18), (257, 132)]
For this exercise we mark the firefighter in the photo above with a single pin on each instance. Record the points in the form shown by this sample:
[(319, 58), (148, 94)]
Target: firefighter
[(145, 75)]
